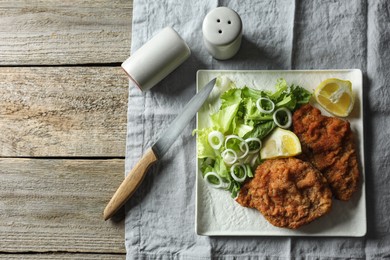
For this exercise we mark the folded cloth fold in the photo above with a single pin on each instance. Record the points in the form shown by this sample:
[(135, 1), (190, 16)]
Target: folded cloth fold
[(277, 34)]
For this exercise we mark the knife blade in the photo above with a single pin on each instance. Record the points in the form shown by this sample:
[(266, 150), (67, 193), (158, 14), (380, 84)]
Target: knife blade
[(156, 152)]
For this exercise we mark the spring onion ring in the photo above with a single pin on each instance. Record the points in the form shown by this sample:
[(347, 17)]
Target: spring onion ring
[(254, 160), (288, 114), (226, 185), (245, 150), (213, 174), (254, 139), (261, 109), (243, 145), (233, 174), (229, 156), (215, 135)]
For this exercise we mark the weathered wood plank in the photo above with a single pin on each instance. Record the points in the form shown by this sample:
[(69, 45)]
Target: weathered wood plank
[(56, 205), (62, 111), (64, 32), (64, 256)]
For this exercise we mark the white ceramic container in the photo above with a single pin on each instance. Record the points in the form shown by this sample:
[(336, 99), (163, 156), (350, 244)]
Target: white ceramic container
[(157, 58), (222, 33)]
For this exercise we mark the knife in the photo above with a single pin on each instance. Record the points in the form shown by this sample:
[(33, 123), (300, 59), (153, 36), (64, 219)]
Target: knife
[(156, 152)]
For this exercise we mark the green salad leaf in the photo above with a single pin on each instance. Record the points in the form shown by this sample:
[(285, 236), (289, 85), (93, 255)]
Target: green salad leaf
[(239, 116)]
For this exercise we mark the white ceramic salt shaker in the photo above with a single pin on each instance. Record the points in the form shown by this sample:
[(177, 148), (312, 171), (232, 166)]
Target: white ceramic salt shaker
[(157, 58), (222, 33)]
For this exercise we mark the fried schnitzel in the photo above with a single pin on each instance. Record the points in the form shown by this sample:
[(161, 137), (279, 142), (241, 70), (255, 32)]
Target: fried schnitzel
[(327, 142), (289, 192)]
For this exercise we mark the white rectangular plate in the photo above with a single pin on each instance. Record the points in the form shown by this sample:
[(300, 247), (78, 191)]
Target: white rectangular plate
[(218, 214)]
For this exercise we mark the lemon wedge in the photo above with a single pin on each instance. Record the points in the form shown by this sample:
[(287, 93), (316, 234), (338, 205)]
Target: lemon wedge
[(335, 96), (280, 143)]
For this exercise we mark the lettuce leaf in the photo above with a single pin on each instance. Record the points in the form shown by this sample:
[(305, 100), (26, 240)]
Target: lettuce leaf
[(238, 114), (231, 97), (301, 95), (223, 118), (203, 146), (281, 88)]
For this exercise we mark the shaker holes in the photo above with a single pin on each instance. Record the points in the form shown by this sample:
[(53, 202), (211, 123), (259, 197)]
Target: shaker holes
[(219, 20)]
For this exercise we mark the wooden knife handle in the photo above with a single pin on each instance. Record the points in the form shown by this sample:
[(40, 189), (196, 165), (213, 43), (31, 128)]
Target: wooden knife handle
[(130, 184)]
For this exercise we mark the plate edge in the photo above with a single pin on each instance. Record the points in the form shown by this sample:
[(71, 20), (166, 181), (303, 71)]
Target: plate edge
[(362, 232)]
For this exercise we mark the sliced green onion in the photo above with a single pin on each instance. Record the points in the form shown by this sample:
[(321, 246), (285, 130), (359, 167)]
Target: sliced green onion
[(287, 117), (268, 103), (254, 139), (243, 145), (226, 185), (217, 178), (213, 136), (237, 178), (254, 160), (245, 150), (229, 156), (230, 137)]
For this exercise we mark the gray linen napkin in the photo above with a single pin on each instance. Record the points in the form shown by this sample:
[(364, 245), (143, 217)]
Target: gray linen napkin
[(278, 34)]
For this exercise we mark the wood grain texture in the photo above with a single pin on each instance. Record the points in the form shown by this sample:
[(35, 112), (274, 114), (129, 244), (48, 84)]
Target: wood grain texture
[(64, 32), (63, 111), (52, 208), (56, 206), (130, 183)]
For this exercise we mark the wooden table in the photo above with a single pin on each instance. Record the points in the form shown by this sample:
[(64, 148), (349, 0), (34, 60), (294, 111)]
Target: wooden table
[(63, 106)]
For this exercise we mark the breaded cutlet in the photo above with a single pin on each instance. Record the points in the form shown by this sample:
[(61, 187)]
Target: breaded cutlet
[(289, 192), (327, 142)]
